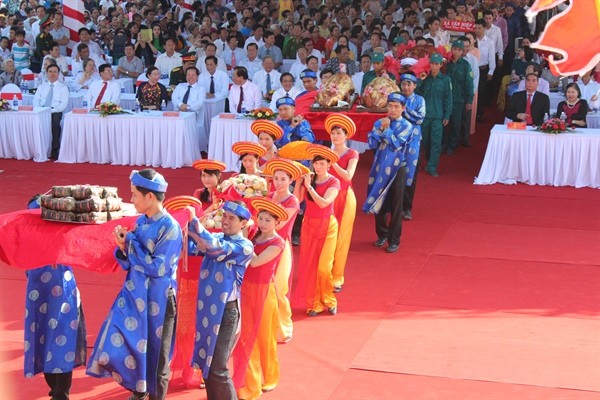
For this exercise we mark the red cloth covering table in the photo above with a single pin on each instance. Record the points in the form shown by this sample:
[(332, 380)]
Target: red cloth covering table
[(27, 241), (364, 123)]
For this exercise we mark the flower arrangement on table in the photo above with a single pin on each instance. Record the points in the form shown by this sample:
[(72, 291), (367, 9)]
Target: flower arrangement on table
[(269, 95), (262, 113), (553, 126), (243, 186), (5, 105), (109, 108)]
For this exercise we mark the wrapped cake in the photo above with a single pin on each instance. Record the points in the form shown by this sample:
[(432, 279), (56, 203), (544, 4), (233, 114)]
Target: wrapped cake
[(90, 204), (337, 89), (376, 93)]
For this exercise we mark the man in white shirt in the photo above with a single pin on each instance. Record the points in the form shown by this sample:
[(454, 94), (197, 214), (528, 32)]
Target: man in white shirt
[(300, 64), (439, 36), (252, 63), (589, 88), (287, 89), (60, 34), (255, 38), (35, 27), (494, 33), (211, 50), (233, 55), (365, 66), (243, 95), (221, 42), (129, 66), (487, 64), (269, 49), (84, 37), (104, 90), (267, 78), (214, 81), (168, 60), (55, 95), (59, 59), (309, 44), (190, 97), (83, 53)]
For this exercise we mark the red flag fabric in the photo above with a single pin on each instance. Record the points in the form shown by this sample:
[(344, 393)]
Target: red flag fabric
[(73, 20), (574, 33)]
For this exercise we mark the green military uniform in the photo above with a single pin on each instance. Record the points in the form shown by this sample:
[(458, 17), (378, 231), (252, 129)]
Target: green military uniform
[(371, 75), (43, 41), (290, 48), (437, 92), (177, 75), (461, 76)]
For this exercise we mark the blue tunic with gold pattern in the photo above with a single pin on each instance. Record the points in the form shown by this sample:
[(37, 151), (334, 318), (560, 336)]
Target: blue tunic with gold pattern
[(225, 261), (391, 144), (415, 114), (128, 343)]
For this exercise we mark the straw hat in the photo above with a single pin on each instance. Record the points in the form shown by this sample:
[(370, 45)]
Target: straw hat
[(261, 125), (240, 148), (209, 165), (265, 204), (280, 164), (181, 202), (317, 150)]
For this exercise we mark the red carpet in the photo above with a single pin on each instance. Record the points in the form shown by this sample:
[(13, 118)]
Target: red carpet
[(495, 294)]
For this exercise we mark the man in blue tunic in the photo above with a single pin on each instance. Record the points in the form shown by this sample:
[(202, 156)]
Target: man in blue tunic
[(226, 257), (391, 137), (55, 339), (136, 339), (415, 114), (295, 127)]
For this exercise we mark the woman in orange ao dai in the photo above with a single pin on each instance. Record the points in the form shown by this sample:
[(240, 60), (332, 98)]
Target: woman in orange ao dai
[(283, 173), (256, 364), (314, 287), (340, 127)]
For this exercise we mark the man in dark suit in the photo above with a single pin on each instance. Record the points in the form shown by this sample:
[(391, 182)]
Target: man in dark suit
[(529, 105)]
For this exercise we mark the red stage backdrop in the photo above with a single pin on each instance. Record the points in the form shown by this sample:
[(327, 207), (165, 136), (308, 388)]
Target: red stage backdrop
[(574, 33)]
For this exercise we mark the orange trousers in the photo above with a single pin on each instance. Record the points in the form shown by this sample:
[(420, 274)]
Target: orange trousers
[(282, 287), (344, 238), (263, 367)]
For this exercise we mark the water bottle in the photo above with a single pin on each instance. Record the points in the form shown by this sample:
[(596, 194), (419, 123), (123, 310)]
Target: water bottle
[(15, 102), (85, 105), (546, 117), (137, 106), (163, 106), (243, 110), (144, 62), (563, 116), (122, 89)]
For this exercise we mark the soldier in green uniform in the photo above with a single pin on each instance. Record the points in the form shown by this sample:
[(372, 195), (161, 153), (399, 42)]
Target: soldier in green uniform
[(437, 91), (461, 76), (178, 73), (378, 70), (44, 41)]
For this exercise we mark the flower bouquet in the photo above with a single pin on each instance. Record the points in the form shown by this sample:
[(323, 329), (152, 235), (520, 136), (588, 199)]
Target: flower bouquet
[(269, 95), (109, 108), (262, 113), (243, 186), (5, 105), (553, 126)]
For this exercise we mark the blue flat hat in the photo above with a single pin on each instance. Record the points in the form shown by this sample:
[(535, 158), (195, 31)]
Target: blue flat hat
[(285, 101), (408, 77), (397, 97), (307, 73), (238, 209), (157, 184)]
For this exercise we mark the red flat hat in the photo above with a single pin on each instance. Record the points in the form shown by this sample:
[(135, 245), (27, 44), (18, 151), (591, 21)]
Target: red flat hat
[(240, 148), (180, 202), (265, 204), (209, 164), (261, 125), (281, 164), (341, 120), (317, 150)]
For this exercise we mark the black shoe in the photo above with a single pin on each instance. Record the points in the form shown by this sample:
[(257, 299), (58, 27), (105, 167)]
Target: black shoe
[(337, 289), (392, 248), (407, 215), (312, 313), (295, 240), (433, 173), (379, 242), (332, 310)]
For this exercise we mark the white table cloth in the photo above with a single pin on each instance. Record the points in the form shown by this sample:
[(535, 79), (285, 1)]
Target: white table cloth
[(75, 100), (147, 138), (223, 134), (26, 134), (537, 158)]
